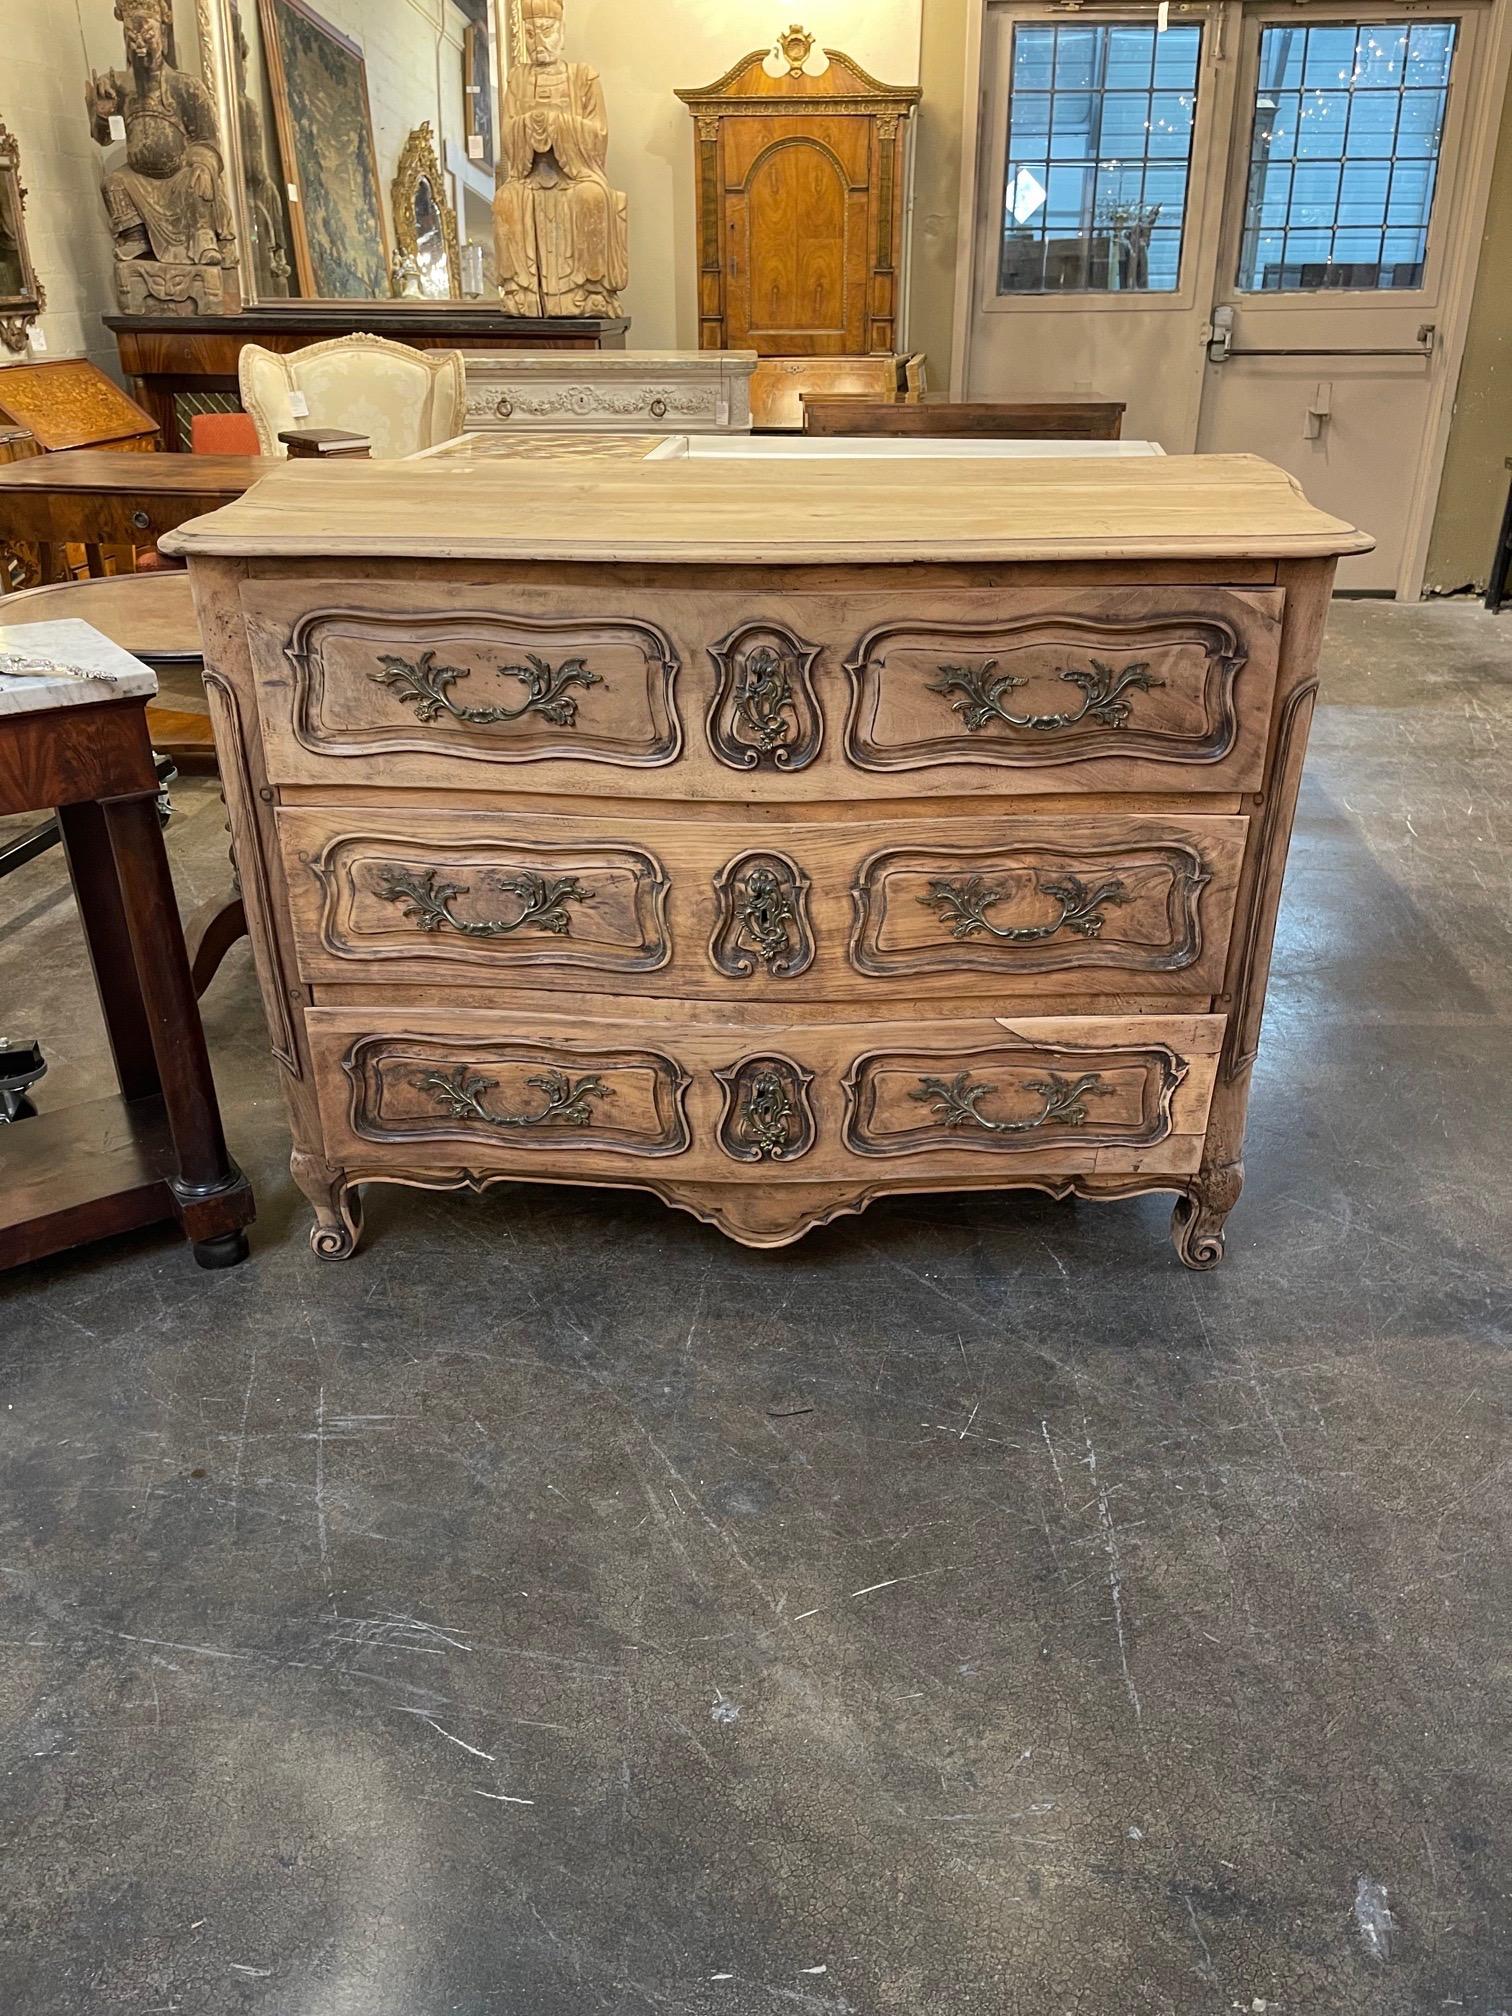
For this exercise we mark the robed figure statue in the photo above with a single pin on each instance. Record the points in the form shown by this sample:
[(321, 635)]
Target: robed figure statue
[(560, 231), (168, 202)]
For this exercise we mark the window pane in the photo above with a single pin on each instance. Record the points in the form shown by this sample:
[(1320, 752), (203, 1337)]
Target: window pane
[(1099, 143), (1342, 171)]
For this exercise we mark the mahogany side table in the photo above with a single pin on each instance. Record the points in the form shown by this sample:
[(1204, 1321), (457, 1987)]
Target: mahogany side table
[(156, 1150)]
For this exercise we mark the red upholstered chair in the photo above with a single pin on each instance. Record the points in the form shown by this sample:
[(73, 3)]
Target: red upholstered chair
[(223, 434)]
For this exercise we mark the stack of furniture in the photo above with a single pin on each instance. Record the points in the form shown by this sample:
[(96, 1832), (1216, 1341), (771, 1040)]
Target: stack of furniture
[(802, 181), (761, 838), (55, 407)]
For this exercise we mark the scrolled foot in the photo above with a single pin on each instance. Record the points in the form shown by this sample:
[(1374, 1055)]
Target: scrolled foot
[(229, 1250), (335, 1202), (1197, 1221)]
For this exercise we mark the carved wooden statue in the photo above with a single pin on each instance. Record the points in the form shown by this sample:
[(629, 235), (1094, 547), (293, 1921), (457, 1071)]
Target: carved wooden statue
[(174, 245), (560, 230)]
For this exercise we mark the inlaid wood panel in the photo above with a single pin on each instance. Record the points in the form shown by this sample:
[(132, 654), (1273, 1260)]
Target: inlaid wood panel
[(341, 679), (723, 908)]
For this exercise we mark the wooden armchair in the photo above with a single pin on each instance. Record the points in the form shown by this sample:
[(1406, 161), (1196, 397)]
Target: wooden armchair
[(401, 399)]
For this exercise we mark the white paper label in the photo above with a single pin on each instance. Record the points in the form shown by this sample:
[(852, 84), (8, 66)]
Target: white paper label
[(475, 146), (117, 126), (38, 340), (1163, 17), (293, 193), (299, 406)]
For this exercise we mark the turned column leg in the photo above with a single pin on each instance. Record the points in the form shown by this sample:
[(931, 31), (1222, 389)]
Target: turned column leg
[(335, 1202), (213, 1196), (1197, 1221)]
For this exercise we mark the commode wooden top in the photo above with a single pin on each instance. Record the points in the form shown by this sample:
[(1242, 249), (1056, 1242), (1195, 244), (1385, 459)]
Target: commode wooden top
[(1198, 507)]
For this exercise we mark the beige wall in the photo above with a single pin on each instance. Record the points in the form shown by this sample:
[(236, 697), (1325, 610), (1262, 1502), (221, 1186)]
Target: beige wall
[(1473, 491), (642, 49), (937, 185)]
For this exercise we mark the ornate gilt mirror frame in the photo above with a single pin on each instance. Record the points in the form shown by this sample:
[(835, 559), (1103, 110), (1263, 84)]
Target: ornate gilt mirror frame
[(418, 167), (23, 302)]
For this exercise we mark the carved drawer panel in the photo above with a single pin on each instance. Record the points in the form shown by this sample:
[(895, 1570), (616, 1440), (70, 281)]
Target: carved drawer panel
[(1111, 897), (705, 1095), (433, 1094), (446, 896), (448, 696), (1178, 680), (720, 908)]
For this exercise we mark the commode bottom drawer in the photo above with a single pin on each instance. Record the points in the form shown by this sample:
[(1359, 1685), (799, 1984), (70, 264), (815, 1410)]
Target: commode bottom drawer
[(681, 1092)]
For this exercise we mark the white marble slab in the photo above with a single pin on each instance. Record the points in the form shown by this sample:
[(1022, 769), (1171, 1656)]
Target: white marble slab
[(108, 672), (883, 448)]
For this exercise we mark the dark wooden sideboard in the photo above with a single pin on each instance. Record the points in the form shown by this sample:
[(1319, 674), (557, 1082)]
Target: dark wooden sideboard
[(169, 356)]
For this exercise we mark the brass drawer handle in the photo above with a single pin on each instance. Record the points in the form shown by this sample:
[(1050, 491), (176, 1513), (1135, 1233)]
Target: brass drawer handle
[(427, 902), (566, 1099), (424, 684), (963, 906), (955, 1104), (1103, 691)]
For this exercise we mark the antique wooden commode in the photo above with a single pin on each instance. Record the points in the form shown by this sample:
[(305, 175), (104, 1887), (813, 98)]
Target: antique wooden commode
[(771, 839)]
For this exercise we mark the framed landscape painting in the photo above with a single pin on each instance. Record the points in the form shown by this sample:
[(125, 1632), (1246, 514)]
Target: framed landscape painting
[(325, 135)]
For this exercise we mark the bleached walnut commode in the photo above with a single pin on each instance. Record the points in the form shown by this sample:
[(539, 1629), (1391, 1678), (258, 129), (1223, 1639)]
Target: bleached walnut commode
[(772, 839)]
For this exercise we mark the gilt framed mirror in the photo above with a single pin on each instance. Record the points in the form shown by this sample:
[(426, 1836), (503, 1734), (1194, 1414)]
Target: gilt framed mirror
[(425, 225), (21, 296)]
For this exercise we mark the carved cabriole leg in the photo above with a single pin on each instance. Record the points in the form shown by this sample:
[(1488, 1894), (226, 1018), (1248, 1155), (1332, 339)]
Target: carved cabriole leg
[(335, 1202), (1197, 1221), (216, 585)]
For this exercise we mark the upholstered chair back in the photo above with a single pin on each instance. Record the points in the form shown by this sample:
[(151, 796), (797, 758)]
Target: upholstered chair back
[(402, 399)]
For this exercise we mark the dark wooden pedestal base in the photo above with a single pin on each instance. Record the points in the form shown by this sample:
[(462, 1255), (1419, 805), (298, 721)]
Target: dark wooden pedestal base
[(105, 1166)]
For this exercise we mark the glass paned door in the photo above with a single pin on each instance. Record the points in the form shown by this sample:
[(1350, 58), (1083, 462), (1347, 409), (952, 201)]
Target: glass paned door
[(1341, 239), (1098, 158), (1344, 154)]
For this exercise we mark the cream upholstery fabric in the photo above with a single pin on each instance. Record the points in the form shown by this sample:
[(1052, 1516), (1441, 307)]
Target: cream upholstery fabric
[(403, 399)]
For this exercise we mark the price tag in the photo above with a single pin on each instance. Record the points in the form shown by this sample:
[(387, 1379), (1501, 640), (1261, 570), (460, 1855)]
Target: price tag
[(293, 192), (1163, 17), (299, 406), (38, 340), (117, 126), (475, 146)]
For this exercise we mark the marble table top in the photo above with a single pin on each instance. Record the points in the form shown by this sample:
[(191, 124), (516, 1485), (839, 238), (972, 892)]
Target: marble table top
[(66, 663)]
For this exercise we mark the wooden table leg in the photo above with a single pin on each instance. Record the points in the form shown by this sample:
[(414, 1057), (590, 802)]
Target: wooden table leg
[(214, 1198), (91, 865)]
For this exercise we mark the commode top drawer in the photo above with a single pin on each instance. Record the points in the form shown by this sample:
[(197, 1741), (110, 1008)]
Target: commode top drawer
[(762, 693)]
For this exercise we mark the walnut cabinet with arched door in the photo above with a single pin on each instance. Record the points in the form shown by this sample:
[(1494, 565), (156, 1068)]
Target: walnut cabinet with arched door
[(801, 177)]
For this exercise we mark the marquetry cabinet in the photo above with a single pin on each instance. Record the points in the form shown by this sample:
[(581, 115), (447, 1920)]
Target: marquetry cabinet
[(801, 189), (763, 840)]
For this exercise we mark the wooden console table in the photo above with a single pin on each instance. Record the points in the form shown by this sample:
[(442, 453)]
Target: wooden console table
[(94, 497), (168, 355), (156, 1150)]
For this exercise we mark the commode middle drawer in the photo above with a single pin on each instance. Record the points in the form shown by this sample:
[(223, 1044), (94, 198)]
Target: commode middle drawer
[(738, 909)]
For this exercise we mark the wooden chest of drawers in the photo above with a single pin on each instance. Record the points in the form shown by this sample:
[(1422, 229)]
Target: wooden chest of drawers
[(771, 840)]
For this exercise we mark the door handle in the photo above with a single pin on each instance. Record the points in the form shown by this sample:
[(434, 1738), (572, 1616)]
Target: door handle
[(1319, 412), (1220, 338)]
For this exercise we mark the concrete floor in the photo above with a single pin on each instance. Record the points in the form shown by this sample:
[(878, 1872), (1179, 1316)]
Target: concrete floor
[(562, 1612)]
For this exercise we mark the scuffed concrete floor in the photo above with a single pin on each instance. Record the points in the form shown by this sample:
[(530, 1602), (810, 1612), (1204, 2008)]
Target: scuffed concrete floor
[(482, 1629)]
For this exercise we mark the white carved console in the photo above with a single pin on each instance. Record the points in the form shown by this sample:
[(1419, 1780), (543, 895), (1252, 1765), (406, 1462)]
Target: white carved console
[(611, 391)]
